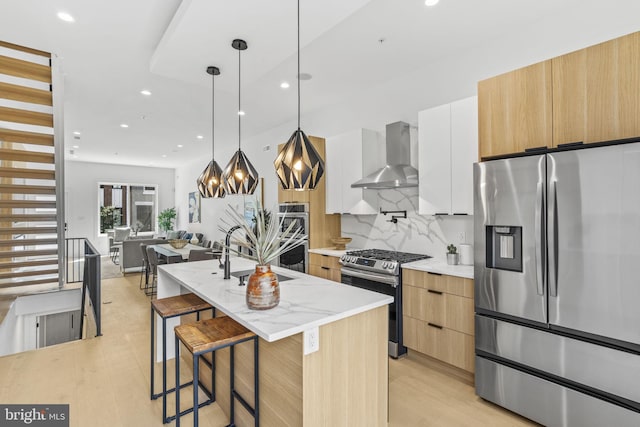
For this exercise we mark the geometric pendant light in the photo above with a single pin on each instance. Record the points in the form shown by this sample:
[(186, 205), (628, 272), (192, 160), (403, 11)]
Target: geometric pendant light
[(240, 177), (298, 165), (210, 183)]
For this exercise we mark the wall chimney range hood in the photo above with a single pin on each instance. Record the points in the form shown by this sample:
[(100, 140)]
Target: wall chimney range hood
[(398, 173)]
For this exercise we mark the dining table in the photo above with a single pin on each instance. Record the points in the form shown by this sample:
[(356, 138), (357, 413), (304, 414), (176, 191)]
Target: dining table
[(169, 252)]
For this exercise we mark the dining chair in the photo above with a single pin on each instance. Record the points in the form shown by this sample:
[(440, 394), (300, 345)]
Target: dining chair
[(206, 243), (145, 266), (153, 269), (200, 254)]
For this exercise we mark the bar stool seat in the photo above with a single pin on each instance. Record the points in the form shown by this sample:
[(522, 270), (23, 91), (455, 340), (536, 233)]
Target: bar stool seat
[(207, 336), (167, 308)]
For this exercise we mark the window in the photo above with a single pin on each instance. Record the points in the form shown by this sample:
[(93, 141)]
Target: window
[(133, 205)]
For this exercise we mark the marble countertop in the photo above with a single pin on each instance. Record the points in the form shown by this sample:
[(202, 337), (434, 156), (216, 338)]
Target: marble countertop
[(330, 251), (305, 301), (434, 265)]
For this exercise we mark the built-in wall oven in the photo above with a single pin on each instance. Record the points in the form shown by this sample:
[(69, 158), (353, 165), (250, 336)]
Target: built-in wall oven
[(379, 271), (298, 214)]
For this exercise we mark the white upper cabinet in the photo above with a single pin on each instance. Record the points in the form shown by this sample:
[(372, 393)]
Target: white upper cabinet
[(349, 157), (448, 147)]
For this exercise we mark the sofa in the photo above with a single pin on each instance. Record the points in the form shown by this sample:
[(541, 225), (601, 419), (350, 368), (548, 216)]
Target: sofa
[(130, 254)]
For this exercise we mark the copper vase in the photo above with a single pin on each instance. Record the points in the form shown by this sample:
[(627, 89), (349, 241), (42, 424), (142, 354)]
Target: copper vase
[(263, 289)]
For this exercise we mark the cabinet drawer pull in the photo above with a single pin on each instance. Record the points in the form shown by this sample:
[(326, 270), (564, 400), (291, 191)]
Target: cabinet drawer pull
[(435, 274), (570, 144), (535, 149), (460, 213), (431, 291), (441, 213), (324, 255), (433, 325), (325, 268)]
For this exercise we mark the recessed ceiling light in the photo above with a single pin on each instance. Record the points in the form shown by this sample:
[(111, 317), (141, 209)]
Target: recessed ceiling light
[(431, 2), (180, 145), (164, 155), (76, 146), (76, 133), (124, 125), (145, 92), (241, 113), (284, 85), (199, 136), (65, 17)]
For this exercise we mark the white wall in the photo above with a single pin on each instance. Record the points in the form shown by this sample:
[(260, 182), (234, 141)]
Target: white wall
[(81, 194), (453, 77)]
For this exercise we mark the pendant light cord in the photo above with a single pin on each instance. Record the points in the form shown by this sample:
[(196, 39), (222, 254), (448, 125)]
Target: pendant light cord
[(239, 105), (298, 64), (213, 115)]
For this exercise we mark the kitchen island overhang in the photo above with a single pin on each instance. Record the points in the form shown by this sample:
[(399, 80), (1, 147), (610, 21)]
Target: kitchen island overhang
[(345, 382)]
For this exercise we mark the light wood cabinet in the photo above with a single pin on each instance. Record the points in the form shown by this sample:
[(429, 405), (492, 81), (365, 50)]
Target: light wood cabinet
[(588, 96), (325, 266), (350, 157), (595, 92), (515, 111), (438, 317), (448, 147), (322, 227)]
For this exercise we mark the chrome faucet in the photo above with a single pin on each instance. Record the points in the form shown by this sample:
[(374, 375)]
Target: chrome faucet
[(227, 243)]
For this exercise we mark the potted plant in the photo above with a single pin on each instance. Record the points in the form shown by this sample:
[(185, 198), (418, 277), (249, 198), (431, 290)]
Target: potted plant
[(266, 241), (452, 255), (166, 218)]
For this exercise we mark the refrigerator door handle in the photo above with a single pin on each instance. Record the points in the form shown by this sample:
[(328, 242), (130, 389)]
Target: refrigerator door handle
[(553, 239), (539, 238)]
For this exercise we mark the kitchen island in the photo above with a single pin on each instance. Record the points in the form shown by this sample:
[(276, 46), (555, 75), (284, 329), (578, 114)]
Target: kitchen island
[(343, 383)]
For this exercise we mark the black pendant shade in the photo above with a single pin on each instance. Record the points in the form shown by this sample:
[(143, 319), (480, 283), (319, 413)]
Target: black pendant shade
[(240, 177), (210, 182), (298, 165)]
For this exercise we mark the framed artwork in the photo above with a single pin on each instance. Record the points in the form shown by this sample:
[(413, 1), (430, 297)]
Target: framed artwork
[(250, 202), (194, 207)]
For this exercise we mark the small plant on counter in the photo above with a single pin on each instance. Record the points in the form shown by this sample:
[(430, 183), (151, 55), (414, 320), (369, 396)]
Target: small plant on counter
[(451, 249)]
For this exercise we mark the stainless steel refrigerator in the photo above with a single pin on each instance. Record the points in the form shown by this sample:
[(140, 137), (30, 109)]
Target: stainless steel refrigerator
[(557, 285)]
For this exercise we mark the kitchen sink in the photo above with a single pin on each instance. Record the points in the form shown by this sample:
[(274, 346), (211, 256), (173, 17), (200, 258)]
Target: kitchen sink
[(244, 275)]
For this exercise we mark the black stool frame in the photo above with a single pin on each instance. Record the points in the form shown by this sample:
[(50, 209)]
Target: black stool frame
[(154, 396), (255, 411)]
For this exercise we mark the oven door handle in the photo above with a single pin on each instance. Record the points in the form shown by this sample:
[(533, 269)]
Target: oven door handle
[(388, 280)]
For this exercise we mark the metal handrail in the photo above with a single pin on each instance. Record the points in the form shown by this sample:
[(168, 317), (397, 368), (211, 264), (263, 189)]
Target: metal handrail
[(89, 275)]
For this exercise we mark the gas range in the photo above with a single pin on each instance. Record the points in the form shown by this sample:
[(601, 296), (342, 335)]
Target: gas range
[(379, 260), (379, 271)]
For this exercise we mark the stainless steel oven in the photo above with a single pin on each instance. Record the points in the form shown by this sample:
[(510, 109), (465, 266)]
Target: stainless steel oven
[(379, 270), (383, 284), (297, 213)]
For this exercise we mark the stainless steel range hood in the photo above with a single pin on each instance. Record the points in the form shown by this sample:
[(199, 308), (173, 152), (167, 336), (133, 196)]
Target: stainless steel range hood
[(398, 173)]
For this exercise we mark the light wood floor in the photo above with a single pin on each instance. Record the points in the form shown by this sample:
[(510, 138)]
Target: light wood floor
[(106, 380)]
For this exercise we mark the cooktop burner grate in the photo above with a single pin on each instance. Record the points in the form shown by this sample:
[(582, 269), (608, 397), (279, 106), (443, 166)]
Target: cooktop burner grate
[(386, 255)]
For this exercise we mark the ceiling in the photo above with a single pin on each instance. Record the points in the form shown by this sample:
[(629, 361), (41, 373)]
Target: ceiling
[(117, 48)]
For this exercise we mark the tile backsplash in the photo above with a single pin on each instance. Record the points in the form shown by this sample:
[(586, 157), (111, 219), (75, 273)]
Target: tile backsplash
[(417, 233)]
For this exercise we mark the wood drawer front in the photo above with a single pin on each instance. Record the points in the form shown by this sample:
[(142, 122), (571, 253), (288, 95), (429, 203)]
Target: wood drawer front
[(424, 305), (316, 270), (324, 260), (443, 344), (459, 313), (438, 282)]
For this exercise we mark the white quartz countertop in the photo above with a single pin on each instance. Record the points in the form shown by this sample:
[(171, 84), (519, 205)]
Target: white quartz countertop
[(305, 301), (434, 265), (330, 251)]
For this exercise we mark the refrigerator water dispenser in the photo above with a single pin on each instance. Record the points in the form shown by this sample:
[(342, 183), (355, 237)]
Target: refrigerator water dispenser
[(504, 247)]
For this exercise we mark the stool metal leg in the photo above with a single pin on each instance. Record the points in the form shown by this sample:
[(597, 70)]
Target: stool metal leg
[(231, 386), (256, 384), (164, 370), (196, 378), (153, 397), (177, 357)]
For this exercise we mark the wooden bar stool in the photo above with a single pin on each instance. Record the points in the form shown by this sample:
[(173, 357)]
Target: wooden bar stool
[(207, 336), (167, 308)]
